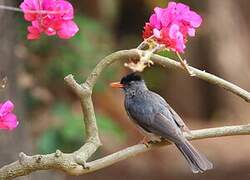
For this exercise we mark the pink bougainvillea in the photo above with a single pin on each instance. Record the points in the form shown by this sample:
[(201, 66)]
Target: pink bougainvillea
[(172, 25), (8, 120), (52, 17)]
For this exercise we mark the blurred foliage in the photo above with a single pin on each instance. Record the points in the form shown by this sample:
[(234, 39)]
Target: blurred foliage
[(83, 52), (169, 54), (50, 59), (57, 58), (53, 59), (68, 136), (151, 75)]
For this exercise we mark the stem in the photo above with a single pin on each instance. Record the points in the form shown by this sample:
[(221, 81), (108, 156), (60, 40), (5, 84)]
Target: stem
[(184, 64), (9, 8), (141, 45)]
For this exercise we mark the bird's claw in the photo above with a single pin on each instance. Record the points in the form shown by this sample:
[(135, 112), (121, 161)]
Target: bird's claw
[(154, 141), (145, 142), (148, 63), (85, 165), (82, 163)]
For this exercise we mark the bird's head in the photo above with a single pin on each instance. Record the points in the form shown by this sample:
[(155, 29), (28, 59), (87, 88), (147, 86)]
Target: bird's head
[(131, 82)]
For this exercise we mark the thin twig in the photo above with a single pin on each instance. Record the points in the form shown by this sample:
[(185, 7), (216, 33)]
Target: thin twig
[(215, 80), (142, 44), (184, 64), (10, 8)]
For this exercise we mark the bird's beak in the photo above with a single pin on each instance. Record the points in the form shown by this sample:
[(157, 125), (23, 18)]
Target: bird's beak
[(116, 85)]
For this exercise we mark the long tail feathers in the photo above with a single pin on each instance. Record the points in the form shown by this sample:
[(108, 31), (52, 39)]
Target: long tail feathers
[(197, 162)]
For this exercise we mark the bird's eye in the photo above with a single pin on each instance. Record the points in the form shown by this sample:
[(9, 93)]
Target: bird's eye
[(131, 82)]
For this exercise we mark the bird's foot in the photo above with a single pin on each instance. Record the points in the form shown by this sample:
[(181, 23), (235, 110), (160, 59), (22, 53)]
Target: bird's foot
[(85, 165), (154, 141), (145, 142)]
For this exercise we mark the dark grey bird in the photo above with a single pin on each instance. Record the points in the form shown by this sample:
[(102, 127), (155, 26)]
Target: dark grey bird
[(153, 115)]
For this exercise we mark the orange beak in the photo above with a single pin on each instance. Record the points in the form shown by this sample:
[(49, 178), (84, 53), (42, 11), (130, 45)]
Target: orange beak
[(116, 85)]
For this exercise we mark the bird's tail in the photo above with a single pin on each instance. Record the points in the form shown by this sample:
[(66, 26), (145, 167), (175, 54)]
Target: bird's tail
[(197, 162)]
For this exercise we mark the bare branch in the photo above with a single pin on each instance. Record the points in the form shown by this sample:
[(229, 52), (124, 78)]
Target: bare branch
[(169, 63), (133, 54), (75, 163), (140, 148), (92, 138), (64, 162), (104, 63)]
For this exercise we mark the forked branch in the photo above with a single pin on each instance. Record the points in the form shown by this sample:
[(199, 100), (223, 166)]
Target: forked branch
[(75, 163)]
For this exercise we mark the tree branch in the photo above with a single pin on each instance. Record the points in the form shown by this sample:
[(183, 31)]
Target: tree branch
[(166, 63), (140, 148), (169, 63), (75, 163), (64, 162)]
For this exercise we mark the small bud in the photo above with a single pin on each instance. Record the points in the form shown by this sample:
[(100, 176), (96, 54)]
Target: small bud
[(3, 83), (58, 153), (39, 158), (22, 157)]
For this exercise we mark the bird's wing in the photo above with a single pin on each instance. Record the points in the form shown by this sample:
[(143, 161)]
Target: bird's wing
[(141, 115), (166, 128), (175, 116), (178, 120)]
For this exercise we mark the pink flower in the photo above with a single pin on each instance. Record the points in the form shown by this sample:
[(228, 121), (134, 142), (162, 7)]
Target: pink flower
[(172, 25), (8, 120), (50, 17)]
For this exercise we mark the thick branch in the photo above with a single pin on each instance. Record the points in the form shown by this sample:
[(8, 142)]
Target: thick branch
[(140, 148), (75, 163), (92, 138), (133, 54), (64, 162)]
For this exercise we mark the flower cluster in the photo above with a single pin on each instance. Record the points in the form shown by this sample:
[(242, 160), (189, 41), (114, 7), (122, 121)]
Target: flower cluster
[(8, 120), (49, 16), (172, 25)]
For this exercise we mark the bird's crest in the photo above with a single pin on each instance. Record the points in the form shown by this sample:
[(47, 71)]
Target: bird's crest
[(131, 77)]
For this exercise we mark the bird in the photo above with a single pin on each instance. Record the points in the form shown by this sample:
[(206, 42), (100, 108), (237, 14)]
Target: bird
[(156, 119)]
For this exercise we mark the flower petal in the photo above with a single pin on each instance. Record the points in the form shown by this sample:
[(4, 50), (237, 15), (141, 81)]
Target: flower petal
[(193, 18), (154, 21), (68, 29), (157, 33), (148, 31), (191, 32), (174, 28), (172, 25), (9, 122), (66, 9), (6, 108), (50, 31), (55, 18), (159, 16), (31, 36)]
